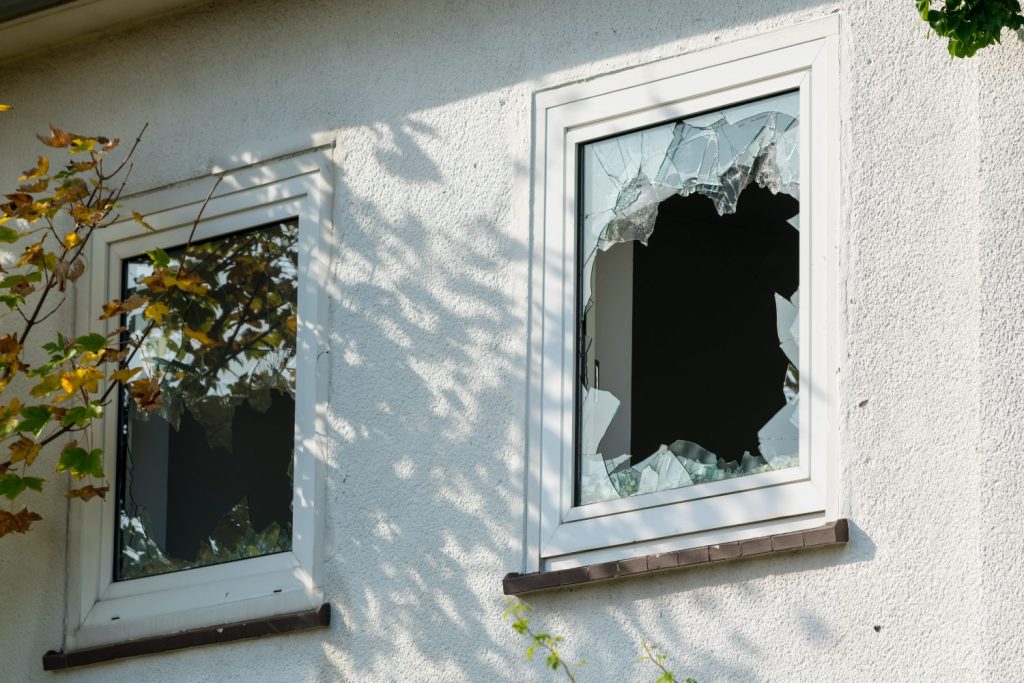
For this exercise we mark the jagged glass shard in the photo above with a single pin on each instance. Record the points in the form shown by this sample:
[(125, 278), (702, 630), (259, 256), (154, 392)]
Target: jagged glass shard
[(780, 435), (794, 328), (624, 478), (599, 407), (595, 486), (717, 155), (752, 463), (791, 384), (692, 451), (661, 471), (787, 320)]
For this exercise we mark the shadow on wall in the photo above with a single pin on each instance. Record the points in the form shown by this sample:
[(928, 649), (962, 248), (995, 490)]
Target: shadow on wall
[(428, 386), (425, 493)]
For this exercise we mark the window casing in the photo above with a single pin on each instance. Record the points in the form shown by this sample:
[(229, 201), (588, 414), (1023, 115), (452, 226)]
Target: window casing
[(295, 191), (562, 533)]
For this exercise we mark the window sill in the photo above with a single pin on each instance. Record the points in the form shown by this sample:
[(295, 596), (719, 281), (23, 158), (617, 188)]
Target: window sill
[(834, 533), (256, 628)]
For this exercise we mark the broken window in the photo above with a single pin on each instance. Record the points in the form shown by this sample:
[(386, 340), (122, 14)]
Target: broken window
[(206, 475), (688, 328)]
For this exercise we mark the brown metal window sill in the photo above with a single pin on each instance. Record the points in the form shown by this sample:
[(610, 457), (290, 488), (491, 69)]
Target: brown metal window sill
[(833, 533), (255, 628)]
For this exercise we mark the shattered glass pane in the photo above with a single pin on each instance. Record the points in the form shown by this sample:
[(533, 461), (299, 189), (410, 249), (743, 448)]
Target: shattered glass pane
[(206, 474), (689, 334)]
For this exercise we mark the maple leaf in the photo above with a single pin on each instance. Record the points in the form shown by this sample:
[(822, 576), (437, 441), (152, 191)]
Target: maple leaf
[(124, 374), (87, 215), (87, 493), (17, 522), (56, 138), (146, 394), (116, 307), (24, 449), (156, 312), (39, 185), (33, 254), (41, 169), (140, 219), (199, 336), (87, 378), (9, 348)]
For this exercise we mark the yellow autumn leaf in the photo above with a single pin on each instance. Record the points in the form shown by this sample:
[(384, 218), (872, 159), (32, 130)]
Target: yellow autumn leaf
[(48, 385), (33, 254), (199, 336), (156, 312), (124, 374), (79, 145), (5, 107), (87, 215), (71, 240), (41, 169), (10, 417), (81, 378), (24, 449), (140, 219)]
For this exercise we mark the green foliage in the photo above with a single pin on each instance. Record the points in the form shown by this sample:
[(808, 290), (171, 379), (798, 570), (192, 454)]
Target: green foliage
[(971, 24), (80, 462), (35, 419), (653, 655), (518, 613), (49, 217), (11, 485)]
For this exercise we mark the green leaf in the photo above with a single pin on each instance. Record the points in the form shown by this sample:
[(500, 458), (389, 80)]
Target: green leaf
[(159, 257), (8, 235), (79, 415), (12, 280), (12, 300), (11, 485), (80, 462), (90, 342), (35, 418)]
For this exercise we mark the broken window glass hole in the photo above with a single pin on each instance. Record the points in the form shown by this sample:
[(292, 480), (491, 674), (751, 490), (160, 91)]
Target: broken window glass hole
[(689, 296)]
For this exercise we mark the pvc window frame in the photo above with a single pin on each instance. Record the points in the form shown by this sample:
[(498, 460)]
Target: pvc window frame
[(560, 535), (101, 611)]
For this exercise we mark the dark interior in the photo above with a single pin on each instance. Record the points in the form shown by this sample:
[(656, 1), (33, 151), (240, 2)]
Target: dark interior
[(205, 482), (707, 366)]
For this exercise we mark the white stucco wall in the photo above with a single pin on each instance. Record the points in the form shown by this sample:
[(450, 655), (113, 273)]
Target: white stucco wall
[(430, 103)]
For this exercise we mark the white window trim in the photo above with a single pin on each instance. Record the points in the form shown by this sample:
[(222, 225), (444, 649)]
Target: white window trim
[(101, 611), (560, 536)]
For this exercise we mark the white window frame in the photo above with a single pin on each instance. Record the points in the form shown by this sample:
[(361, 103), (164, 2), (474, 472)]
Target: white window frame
[(102, 611), (559, 535)]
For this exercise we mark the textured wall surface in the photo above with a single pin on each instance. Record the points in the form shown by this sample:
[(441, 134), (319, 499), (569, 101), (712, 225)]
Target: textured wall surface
[(430, 104)]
